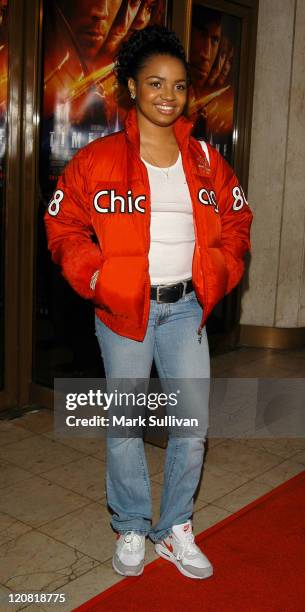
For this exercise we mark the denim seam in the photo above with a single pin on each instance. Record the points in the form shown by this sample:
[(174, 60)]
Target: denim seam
[(163, 372), (167, 312), (164, 314), (172, 464), (147, 484)]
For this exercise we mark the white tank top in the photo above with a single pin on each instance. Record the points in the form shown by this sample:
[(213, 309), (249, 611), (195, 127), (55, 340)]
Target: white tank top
[(172, 228)]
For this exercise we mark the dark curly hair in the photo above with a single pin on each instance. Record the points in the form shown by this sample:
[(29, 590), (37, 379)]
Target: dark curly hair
[(152, 40)]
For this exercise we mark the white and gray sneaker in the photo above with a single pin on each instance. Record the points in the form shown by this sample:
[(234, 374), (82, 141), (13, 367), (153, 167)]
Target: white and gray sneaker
[(128, 559), (180, 548)]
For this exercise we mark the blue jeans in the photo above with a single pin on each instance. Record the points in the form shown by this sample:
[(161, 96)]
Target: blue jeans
[(172, 341)]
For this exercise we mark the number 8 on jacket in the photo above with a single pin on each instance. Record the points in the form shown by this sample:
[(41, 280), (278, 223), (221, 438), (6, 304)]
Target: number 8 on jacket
[(239, 198), (54, 206)]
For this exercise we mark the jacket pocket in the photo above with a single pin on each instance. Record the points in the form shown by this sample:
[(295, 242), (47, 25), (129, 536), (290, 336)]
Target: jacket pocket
[(120, 287), (197, 276), (218, 273)]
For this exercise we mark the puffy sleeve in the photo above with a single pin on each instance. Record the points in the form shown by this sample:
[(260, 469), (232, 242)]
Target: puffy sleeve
[(69, 229), (236, 218)]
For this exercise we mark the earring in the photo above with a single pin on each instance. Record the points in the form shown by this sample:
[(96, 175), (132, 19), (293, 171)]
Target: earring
[(132, 95)]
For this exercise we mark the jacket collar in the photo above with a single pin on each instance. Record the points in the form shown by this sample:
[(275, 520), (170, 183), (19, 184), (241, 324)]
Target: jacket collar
[(182, 129)]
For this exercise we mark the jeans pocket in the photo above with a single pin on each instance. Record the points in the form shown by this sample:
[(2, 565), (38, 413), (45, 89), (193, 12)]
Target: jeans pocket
[(188, 297)]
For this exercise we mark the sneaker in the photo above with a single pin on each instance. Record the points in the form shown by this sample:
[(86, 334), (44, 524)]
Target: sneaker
[(179, 548), (128, 559)]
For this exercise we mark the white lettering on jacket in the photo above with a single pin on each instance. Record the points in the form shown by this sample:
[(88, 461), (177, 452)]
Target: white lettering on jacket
[(208, 198), (125, 204), (54, 205), (239, 198)]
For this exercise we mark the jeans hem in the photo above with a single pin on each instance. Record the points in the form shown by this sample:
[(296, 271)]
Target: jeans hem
[(163, 534), (139, 531)]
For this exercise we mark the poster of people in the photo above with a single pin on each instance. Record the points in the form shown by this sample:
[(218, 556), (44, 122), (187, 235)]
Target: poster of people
[(80, 99), (214, 65), (3, 138), (3, 82)]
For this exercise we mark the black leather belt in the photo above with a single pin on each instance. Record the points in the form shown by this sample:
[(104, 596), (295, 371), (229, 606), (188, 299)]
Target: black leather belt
[(171, 293)]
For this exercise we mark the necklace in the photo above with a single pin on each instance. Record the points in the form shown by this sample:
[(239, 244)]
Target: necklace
[(164, 170)]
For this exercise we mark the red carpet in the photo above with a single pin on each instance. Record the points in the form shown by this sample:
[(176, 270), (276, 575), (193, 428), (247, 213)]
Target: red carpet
[(259, 565)]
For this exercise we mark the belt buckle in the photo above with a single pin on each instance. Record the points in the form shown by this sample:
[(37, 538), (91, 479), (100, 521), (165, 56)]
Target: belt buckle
[(158, 296)]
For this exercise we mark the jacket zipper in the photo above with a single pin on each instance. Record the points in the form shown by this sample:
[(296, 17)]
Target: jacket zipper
[(148, 191), (201, 326), (147, 225)]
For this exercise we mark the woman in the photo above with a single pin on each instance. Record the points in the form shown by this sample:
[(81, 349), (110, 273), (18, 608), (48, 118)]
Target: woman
[(172, 226)]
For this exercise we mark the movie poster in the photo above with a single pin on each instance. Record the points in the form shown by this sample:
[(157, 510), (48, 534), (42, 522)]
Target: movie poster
[(214, 66), (3, 139), (81, 100), (3, 84)]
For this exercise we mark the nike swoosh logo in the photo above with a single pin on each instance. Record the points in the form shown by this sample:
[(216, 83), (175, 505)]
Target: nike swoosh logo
[(168, 546)]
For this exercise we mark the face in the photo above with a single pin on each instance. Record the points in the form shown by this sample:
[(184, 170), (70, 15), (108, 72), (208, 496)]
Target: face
[(122, 24), (90, 21), (160, 89), (204, 48), (143, 16)]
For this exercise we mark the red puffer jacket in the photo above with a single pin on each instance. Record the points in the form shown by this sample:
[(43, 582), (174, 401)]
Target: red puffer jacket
[(105, 191)]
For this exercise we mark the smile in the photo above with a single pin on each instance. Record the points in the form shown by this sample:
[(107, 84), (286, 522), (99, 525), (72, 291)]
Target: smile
[(165, 108)]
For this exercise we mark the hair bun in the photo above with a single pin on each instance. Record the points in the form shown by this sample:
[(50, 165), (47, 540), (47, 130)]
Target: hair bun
[(152, 40)]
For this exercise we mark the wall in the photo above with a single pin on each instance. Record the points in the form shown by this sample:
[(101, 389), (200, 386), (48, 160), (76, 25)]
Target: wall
[(274, 293)]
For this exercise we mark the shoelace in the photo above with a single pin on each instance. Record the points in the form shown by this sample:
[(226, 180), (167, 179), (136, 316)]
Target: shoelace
[(186, 546), (133, 540)]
